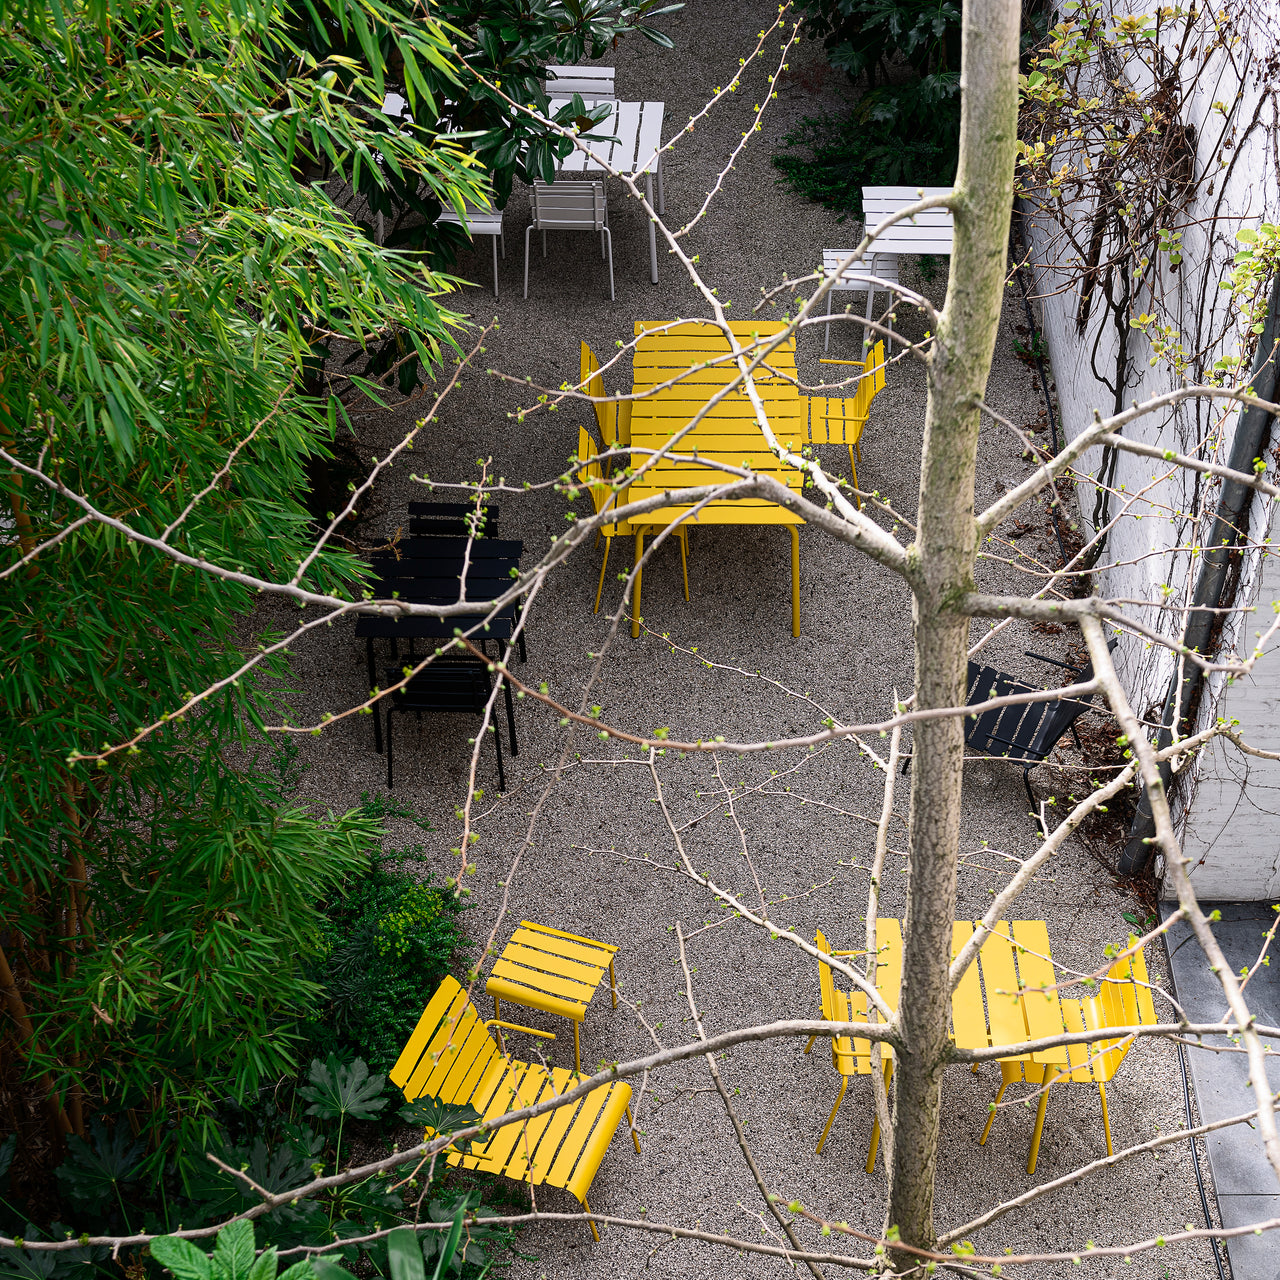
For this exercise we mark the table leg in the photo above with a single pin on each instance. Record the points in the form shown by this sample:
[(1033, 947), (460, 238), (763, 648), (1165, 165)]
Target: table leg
[(653, 230), (635, 597), (1039, 1129), (377, 710), (795, 581)]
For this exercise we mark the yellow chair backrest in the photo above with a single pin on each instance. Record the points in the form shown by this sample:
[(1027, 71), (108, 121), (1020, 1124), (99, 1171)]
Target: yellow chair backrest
[(849, 1057), (826, 983), (592, 381), (590, 473), (1123, 1001), (841, 419), (450, 1052)]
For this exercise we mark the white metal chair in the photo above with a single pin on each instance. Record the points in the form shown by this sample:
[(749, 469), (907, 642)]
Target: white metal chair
[(932, 231), (480, 220), (589, 82), (569, 206), (874, 274)]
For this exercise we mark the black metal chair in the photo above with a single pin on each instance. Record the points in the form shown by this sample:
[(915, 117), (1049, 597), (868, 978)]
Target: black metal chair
[(448, 685), (452, 520), (1027, 732)]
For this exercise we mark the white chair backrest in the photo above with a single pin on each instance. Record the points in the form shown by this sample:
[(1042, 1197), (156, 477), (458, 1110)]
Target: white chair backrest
[(568, 206), (590, 82), (930, 232)]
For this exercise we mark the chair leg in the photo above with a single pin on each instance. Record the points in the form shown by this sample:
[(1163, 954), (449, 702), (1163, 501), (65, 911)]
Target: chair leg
[(1106, 1119), (844, 1084), (577, 1053), (853, 466), (497, 746), (795, 581), (609, 238), (511, 718), (635, 600), (377, 709), (613, 985), (495, 266), (602, 244), (390, 709), (608, 542), (662, 193), (826, 340), (684, 561), (592, 1225), (982, 1141), (809, 1046), (526, 259), (635, 1137), (1026, 782), (502, 240), (1039, 1129), (497, 1013)]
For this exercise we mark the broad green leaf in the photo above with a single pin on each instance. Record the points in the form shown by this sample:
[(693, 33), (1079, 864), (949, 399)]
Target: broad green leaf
[(340, 1089)]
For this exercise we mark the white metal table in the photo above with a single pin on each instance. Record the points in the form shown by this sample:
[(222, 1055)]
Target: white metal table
[(636, 130)]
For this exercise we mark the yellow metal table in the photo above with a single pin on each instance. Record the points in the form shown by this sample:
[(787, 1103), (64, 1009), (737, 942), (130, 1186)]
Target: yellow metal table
[(697, 354), (556, 972), (1007, 997)]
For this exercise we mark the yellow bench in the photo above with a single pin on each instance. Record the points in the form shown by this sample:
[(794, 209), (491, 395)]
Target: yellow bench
[(451, 1056)]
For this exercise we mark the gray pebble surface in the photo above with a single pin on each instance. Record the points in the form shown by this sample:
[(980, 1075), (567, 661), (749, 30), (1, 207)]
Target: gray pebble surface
[(600, 858)]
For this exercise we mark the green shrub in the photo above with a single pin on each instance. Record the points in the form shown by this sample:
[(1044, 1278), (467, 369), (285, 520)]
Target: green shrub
[(389, 942), (907, 135)]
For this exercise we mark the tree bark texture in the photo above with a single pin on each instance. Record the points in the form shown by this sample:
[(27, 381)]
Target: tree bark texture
[(945, 549)]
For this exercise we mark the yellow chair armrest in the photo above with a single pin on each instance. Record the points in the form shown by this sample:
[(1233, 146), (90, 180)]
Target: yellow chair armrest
[(516, 1026)]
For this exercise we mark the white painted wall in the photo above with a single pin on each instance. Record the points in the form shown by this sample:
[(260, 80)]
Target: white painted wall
[(1236, 120), (1231, 830)]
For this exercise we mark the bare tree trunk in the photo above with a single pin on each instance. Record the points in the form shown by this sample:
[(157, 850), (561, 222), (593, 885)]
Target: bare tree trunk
[(946, 546)]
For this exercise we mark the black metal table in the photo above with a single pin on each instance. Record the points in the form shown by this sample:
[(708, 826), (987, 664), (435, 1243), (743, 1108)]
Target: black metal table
[(435, 570)]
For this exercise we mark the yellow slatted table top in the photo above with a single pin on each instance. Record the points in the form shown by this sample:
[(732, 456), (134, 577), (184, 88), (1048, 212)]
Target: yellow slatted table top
[(698, 355), (1014, 972), (548, 969)]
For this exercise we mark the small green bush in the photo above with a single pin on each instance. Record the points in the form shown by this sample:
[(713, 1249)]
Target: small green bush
[(390, 940)]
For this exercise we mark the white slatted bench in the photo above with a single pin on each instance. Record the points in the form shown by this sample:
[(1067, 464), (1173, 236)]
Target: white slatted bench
[(589, 82), (929, 232)]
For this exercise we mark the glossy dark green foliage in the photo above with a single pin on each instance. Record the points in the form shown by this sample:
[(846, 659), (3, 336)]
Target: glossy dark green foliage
[(871, 39), (905, 130), (163, 274), (888, 140), (509, 44), (387, 943)]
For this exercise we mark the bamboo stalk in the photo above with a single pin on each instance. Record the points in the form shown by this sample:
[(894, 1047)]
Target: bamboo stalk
[(27, 1032)]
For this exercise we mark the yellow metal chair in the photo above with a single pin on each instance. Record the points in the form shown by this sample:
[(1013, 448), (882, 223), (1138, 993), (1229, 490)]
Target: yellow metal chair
[(554, 971), (842, 419), (451, 1056), (849, 1055), (1124, 1000), (603, 495)]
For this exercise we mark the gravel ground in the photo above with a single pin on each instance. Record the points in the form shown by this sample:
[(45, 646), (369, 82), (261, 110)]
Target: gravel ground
[(733, 668)]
